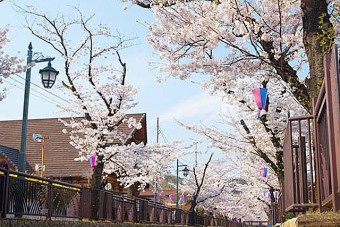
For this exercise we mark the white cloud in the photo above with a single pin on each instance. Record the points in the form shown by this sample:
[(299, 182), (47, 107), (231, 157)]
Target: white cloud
[(195, 106)]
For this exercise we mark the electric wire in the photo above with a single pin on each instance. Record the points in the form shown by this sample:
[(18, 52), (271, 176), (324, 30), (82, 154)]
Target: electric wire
[(7, 89), (44, 89), (44, 97), (163, 135), (31, 93)]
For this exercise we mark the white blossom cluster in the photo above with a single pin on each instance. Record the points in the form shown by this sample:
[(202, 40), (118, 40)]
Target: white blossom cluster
[(238, 45), (225, 40), (8, 65), (243, 159), (99, 99)]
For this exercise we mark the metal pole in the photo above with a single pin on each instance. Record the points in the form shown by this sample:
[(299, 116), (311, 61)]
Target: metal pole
[(177, 186), (157, 139), (155, 198), (196, 155), (271, 191), (42, 156), (22, 154)]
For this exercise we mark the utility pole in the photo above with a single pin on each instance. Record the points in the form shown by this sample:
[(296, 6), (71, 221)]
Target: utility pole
[(157, 130), (157, 140), (196, 155)]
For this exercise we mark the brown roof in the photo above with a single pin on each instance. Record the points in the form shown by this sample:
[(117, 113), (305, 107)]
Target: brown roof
[(59, 154)]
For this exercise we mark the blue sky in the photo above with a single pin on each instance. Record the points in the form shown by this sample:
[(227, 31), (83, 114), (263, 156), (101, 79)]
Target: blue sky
[(170, 100)]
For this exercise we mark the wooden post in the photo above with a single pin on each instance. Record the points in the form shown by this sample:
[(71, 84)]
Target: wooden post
[(50, 199), (333, 97)]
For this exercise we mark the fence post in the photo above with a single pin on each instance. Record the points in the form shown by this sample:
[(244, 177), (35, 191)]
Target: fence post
[(154, 212), (50, 199), (5, 191), (81, 212), (136, 209), (123, 209)]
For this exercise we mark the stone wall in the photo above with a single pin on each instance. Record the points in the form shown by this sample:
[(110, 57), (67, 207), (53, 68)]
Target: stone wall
[(314, 219), (45, 223)]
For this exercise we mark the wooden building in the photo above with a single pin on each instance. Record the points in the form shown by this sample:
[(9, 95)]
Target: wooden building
[(59, 154)]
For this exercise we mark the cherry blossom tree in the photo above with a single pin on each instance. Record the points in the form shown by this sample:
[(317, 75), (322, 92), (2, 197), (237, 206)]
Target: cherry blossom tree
[(265, 33), (231, 185), (8, 65), (99, 100), (241, 45), (199, 193), (251, 144)]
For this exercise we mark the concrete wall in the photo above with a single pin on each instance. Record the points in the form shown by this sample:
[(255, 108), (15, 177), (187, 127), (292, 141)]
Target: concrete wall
[(44, 223)]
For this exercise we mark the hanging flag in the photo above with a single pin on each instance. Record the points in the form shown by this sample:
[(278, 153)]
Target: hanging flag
[(264, 171), (181, 198), (37, 138), (276, 195), (172, 198), (260, 99), (93, 161)]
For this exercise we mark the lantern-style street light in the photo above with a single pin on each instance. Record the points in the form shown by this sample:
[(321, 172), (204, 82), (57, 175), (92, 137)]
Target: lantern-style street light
[(185, 173), (48, 77)]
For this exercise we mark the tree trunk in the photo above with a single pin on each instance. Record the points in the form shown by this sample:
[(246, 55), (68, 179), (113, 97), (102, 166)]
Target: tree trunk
[(95, 185), (132, 191), (313, 11), (192, 210)]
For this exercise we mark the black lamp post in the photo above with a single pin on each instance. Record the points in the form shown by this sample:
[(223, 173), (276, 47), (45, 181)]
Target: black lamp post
[(48, 77), (185, 173)]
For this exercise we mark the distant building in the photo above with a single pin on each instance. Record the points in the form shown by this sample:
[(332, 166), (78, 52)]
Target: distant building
[(9, 157), (168, 198), (59, 154)]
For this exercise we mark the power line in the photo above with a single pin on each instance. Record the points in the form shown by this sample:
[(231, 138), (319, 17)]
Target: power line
[(32, 93), (163, 135), (9, 88), (44, 97), (44, 89)]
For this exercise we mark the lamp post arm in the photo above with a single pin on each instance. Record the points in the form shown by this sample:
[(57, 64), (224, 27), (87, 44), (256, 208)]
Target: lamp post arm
[(42, 60)]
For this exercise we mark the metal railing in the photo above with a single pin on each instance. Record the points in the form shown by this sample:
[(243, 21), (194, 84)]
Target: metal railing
[(24, 195), (255, 223), (327, 134), (28, 196), (312, 152), (299, 166)]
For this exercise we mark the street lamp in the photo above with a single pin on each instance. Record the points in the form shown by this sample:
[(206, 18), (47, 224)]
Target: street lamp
[(185, 173), (40, 139), (48, 77)]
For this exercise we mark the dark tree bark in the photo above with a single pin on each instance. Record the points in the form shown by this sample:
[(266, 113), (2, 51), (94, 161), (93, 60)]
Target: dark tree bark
[(95, 184), (313, 12)]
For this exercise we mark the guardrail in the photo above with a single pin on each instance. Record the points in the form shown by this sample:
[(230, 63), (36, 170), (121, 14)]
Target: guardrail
[(26, 196), (312, 149), (299, 166), (327, 133)]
